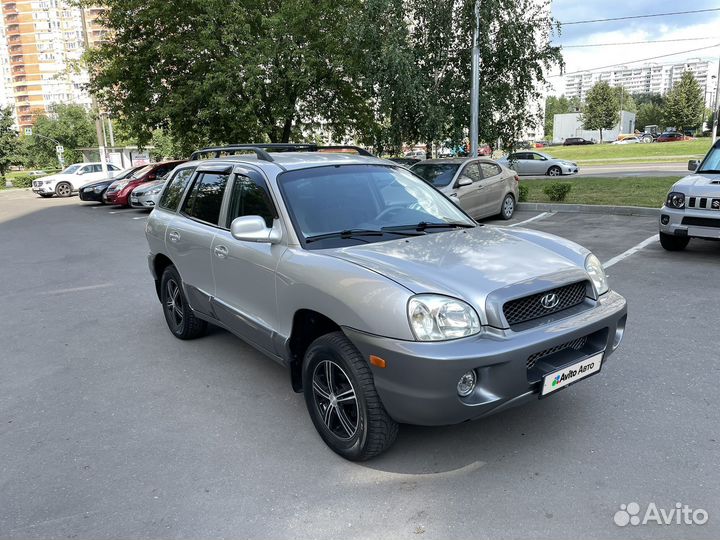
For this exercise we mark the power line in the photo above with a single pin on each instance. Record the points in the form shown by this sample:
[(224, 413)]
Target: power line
[(635, 61), (641, 16), (635, 42)]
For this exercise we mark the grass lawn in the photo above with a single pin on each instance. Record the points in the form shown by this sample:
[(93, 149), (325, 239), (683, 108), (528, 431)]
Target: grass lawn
[(619, 191), (597, 154)]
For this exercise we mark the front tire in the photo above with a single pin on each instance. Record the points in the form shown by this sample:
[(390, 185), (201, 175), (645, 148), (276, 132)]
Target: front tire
[(342, 401), (673, 243), (554, 171), (508, 207), (63, 189), (180, 318)]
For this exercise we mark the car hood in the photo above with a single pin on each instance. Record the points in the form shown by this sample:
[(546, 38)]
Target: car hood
[(147, 186), (103, 183), (473, 264), (700, 185)]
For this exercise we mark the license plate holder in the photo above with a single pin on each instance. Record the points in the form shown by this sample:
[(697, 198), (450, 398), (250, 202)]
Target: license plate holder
[(570, 374)]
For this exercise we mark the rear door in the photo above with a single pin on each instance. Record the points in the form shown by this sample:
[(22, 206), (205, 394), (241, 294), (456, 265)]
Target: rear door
[(470, 197), (245, 297), (492, 188), (190, 234)]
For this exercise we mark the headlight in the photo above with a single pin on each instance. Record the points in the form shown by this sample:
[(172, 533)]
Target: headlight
[(675, 199), (595, 270), (438, 318), (154, 191)]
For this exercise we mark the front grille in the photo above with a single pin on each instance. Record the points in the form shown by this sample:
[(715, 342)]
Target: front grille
[(701, 222), (531, 307), (576, 344), (706, 203)]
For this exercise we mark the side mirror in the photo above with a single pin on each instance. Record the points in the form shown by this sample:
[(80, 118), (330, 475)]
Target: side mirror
[(693, 165), (253, 229), (464, 181)]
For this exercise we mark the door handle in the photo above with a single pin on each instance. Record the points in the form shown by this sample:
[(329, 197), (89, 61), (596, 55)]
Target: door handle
[(174, 236), (221, 252)]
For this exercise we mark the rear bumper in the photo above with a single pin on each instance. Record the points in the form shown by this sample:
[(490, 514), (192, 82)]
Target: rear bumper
[(419, 383), (690, 223)]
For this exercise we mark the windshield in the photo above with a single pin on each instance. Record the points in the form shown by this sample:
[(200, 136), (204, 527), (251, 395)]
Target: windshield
[(361, 199), (143, 171), (438, 174), (711, 163), (71, 169)]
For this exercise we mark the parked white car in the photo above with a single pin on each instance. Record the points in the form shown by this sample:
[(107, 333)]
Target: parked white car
[(68, 181), (627, 140)]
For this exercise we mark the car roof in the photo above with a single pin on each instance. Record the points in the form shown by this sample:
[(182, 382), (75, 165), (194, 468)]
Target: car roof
[(296, 160), (438, 161)]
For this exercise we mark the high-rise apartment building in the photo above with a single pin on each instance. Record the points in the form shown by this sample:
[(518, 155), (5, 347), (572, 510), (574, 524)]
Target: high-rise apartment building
[(657, 78), (42, 42)]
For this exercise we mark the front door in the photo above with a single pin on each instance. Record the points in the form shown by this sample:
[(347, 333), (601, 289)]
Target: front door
[(245, 296), (470, 197)]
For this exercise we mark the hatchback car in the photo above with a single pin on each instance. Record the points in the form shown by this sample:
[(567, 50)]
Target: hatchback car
[(119, 192), (576, 141), (71, 179), (387, 303), (538, 163), (481, 187), (673, 136), (95, 191)]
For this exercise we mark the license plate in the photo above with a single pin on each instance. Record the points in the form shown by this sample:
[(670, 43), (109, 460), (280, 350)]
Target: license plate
[(552, 382)]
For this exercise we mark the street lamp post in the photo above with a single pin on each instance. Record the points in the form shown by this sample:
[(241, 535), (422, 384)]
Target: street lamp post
[(715, 106), (475, 85)]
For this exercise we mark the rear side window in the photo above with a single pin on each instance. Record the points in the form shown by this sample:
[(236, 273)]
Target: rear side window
[(204, 201), (173, 192), (250, 198), (490, 169)]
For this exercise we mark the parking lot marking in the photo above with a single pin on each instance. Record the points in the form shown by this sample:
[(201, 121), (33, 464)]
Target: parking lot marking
[(632, 251), (78, 289), (141, 217), (535, 218)]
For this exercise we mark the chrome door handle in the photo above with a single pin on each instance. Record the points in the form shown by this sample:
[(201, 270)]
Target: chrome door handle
[(221, 252), (174, 236)]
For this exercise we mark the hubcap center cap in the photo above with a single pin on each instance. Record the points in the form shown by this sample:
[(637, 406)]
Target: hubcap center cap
[(333, 400)]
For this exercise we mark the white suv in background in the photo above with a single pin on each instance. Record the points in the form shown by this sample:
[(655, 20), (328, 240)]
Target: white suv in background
[(65, 183)]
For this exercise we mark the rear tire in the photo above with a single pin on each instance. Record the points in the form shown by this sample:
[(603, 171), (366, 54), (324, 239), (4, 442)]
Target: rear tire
[(342, 401), (673, 243), (554, 171), (180, 318), (63, 189), (508, 207)]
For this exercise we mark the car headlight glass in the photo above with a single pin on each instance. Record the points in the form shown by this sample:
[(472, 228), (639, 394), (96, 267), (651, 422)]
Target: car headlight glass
[(675, 199), (438, 318), (154, 191), (595, 270)]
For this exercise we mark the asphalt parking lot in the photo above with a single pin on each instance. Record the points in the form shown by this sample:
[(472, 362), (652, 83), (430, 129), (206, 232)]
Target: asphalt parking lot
[(112, 428)]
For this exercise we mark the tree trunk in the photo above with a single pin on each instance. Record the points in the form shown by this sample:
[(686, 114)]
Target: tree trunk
[(287, 130), (600, 135)]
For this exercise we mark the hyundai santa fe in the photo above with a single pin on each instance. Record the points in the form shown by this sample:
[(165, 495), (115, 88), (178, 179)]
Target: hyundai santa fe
[(387, 303)]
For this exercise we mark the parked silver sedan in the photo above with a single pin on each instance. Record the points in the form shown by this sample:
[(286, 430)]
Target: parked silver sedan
[(538, 163), (481, 187), (146, 195)]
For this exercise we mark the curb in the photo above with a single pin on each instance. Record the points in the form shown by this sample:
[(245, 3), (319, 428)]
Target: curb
[(590, 209)]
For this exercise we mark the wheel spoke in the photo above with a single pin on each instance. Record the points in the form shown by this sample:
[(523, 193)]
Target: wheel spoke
[(179, 312), (345, 422), (347, 395), (327, 415), (320, 390), (328, 375)]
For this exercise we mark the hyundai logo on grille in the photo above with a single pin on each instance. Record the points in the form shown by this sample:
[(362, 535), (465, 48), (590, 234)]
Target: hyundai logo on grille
[(550, 301)]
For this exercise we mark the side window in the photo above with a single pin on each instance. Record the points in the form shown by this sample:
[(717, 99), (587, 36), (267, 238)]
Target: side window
[(489, 169), (162, 171), (250, 198), (205, 199), (472, 171), (173, 192), (536, 157), (84, 170)]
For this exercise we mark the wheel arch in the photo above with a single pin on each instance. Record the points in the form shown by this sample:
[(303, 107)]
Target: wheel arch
[(307, 326), (159, 263)]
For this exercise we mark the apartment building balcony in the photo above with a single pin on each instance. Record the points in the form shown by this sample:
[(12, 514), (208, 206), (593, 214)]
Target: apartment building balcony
[(19, 78), (13, 29), (15, 49), (24, 109), (10, 7), (11, 18)]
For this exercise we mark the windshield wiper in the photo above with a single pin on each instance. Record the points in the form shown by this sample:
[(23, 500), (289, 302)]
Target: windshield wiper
[(423, 225), (354, 233)]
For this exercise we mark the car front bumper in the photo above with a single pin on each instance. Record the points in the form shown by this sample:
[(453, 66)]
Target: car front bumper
[(43, 189), (419, 383), (91, 195), (690, 223), (143, 201)]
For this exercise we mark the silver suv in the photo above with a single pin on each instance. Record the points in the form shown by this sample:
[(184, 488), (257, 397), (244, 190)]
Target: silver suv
[(387, 303)]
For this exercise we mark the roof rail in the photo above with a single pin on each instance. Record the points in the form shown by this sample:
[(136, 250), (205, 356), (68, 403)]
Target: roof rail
[(261, 150)]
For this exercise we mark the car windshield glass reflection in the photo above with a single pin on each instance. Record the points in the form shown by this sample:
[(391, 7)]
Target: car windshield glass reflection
[(712, 162), (71, 169), (438, 174), (365, 203)]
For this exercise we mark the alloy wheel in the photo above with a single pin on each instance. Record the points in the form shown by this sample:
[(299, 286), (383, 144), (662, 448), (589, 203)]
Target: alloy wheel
[(174, 304), (335, 399), (63, 190), (554, 171), (508, 207)]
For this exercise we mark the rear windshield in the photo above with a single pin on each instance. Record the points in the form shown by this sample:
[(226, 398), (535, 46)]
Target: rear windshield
[(437, 174)]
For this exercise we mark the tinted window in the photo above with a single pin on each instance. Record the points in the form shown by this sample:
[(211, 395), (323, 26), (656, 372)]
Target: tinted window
[(437, 174), (490, 169), (205, 199), (248, 198), (173, 192)]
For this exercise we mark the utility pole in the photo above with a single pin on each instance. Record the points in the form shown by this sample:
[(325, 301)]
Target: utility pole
[(475, 85), (715, 106)]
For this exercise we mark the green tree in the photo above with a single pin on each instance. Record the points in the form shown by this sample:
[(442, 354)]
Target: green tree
[(69, 124), (684, 104), (626, 102), (8, 140), (602, 108), (648, 114)]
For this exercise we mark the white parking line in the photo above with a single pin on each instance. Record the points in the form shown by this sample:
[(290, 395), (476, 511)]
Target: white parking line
[(535, 218), (141, 217), (78, 289), (624, 255)]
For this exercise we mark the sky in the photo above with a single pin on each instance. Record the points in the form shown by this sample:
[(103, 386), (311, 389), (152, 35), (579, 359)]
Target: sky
[(699, 25)]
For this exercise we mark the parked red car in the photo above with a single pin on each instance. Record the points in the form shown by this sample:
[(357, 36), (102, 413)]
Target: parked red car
[(119, 191), (672, 136)]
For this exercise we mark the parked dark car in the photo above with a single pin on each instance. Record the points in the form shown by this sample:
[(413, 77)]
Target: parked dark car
[(576, 141), (94, 191), (673, 136), (405, 161), (119, 191)]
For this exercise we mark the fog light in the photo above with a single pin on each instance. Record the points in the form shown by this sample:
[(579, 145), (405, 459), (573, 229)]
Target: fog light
[(619, 332), (466, 384), (664, 219)]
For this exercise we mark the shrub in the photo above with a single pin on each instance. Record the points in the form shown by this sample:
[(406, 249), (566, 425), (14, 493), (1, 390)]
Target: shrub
[(22, 180), (523, 189), (557, 191)]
